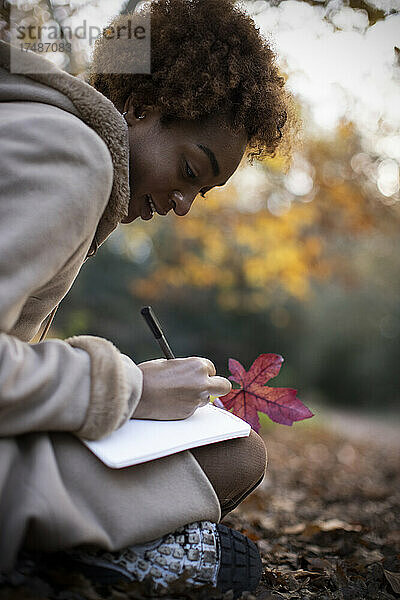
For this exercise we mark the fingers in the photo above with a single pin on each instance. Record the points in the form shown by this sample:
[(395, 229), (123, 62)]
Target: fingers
[(204, 398), (172, 363), (211, 370), (219, 386), (154, 362)]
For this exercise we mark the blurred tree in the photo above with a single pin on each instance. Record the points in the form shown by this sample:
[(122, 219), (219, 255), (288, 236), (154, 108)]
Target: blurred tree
[(276, 236), (374, 12)]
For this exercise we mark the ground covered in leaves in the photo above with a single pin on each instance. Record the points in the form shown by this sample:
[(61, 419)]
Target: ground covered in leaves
[(327, 517), (326, 520)]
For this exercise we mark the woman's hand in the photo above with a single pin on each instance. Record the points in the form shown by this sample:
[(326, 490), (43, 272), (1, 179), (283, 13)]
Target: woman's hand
[(174, 389)]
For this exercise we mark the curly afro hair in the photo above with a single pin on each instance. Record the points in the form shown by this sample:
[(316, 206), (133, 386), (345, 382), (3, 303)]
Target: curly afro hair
[(208, 59)]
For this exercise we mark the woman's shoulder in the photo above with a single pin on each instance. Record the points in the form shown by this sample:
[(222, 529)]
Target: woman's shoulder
[(56, 114), (47, 149), (53, 129)]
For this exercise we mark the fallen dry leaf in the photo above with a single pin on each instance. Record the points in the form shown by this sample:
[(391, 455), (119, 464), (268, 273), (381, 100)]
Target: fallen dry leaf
[(253, 396), (333, 524), (393, 579)]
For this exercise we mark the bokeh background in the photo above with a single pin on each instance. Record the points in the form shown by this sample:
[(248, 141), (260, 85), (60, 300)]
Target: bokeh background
[(301, 260)]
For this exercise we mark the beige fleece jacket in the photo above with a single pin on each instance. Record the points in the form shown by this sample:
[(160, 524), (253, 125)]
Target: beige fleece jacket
[(58, 187), (64, 181)]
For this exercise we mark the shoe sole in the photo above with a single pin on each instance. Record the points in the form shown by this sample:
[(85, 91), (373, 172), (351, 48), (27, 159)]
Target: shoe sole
[(241, 566), (239, 570)]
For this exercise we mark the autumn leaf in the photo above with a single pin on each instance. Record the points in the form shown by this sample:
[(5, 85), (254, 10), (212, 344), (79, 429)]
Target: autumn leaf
[(253, 396)]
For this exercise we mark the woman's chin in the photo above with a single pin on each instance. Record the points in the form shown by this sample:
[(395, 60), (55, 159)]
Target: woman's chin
[(128, 219), (131, 216)]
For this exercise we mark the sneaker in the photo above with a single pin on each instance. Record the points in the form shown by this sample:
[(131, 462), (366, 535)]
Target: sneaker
[(200, 554)]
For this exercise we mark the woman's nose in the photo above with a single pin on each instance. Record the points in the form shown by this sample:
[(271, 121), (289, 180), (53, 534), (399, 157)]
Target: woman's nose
[(182, 203)]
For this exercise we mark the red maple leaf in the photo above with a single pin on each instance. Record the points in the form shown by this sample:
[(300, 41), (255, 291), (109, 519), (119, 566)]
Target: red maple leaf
[(280, 404)]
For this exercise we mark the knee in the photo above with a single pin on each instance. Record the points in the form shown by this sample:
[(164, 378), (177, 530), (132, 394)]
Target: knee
[(235, 466), (244, 469), (256, 458), (245, 462)]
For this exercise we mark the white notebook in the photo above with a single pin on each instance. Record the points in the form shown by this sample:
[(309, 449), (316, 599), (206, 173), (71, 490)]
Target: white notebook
[(139, 441)]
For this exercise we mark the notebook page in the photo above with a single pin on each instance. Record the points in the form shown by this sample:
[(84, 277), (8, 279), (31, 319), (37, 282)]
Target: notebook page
[(139, 440)]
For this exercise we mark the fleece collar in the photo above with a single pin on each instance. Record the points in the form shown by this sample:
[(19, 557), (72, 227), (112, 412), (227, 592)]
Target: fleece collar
[(98, 113)]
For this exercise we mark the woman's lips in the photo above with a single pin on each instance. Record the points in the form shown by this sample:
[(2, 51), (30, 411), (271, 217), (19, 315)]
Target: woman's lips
[(153, 207), (148, 211)]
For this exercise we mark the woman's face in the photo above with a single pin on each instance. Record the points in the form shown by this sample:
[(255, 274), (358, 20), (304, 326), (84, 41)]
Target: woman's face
[(170, 165)]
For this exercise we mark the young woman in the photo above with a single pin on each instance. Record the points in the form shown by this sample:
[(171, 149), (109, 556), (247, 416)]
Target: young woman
[(75, 162)]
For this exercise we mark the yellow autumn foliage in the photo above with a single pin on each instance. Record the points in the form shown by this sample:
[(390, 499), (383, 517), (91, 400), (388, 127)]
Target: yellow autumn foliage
[(244, 252)]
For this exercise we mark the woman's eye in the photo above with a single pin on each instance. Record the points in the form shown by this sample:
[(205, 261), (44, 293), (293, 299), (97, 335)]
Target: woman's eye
[(189, 172)]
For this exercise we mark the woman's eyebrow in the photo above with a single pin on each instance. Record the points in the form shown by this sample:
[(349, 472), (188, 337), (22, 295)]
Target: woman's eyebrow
[(211, 156)]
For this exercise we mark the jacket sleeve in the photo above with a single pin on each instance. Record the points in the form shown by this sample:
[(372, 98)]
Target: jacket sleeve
[(56, 178)]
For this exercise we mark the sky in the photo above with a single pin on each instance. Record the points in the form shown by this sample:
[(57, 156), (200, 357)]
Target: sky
[(349, 71), (340, 68)]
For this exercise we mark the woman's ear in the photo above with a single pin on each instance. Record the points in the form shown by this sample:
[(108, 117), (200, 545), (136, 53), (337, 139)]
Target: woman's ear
[(134, 113)]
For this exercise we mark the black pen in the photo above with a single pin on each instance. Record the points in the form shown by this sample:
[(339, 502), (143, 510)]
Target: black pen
[(153, 323)]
